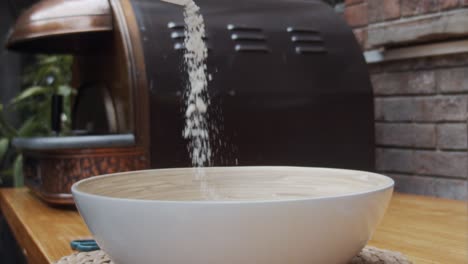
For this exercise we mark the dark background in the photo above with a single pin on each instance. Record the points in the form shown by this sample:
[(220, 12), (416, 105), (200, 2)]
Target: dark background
[(10, 83)]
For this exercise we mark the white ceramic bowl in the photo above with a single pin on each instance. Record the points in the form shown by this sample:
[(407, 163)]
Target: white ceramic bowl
[(256, 215)]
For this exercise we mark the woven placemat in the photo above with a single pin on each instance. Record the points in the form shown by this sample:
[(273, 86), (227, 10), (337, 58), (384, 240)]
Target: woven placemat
[(369, 255)]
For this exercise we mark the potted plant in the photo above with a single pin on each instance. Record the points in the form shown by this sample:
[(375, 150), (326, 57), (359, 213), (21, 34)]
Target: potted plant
[(47, 88)]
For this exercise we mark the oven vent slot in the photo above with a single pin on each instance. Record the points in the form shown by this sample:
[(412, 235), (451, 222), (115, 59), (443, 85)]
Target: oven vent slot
[(180, 46), (251, 48), (176, 25), (306, 41), (248, 36), (309, 49), (306, 38), (178, 35), (248, 39), (243, 28), (302, 30)]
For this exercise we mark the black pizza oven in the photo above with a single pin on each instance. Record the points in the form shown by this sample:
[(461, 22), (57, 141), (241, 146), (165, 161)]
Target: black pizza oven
[(289, 82), (289, 85)]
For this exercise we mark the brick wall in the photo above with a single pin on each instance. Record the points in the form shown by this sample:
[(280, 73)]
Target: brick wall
[(377, 22), (420, 104)]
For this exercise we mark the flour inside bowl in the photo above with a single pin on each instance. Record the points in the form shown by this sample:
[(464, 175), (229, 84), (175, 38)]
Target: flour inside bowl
[(236, 184)]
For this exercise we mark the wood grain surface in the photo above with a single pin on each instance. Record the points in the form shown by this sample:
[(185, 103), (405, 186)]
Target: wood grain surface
[(43, 232), (428, 230)]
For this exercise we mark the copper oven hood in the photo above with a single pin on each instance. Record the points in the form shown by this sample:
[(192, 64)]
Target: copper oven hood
[(62, 26)]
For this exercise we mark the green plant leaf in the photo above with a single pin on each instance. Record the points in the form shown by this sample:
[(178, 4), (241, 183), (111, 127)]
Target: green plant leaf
[(5, 131), (65, 90), (6, 173), (4, 144), (33, 106), (48, 59), (30, 92), (18, 179), (33, 126), (5, 128)]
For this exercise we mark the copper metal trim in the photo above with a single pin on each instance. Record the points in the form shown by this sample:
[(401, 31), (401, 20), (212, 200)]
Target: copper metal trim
[(60, 20)]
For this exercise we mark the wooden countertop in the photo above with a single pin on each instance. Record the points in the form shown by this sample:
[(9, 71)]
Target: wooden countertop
[(42, 231), (427, 230)]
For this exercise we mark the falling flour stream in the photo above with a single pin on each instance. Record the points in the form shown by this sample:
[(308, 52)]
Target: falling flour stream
[(197, 98)]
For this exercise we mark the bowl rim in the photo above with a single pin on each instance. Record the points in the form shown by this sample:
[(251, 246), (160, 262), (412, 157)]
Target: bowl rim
[(389, 185)]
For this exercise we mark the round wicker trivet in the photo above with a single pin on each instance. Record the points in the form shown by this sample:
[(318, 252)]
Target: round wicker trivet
[(369, 255)]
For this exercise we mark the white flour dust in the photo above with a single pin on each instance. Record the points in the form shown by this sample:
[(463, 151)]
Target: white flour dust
[(197, 99)]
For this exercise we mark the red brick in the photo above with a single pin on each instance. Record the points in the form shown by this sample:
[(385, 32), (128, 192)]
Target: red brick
[(391, 9), (431, 5), (452, 136), (407, 135), (431, 186), (432, 27), (380, 10), (452, 80), (375, 11), (394, 160), (421, 108), (403, 83), (410, 7), (361, 36), (465, 2), (440, 163), (448, 4), (418, 7), (356, 15), (352, 2)]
